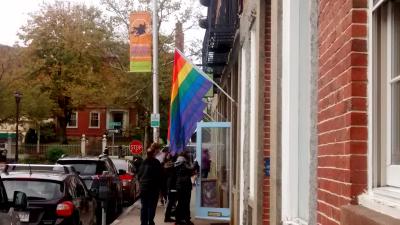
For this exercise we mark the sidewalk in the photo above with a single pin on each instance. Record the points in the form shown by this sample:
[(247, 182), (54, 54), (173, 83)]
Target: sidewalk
[(131, 216)]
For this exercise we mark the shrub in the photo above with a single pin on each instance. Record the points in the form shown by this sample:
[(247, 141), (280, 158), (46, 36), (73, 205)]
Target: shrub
[(54, 153), (32, 159)]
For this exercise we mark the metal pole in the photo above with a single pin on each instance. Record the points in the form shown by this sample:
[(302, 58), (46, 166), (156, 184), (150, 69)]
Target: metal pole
[(155, 69), (16, 134), (103, 213), (17, 96)]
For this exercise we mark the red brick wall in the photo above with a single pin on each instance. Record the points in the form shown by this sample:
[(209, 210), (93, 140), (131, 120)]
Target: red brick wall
[(342, 106), (267, 97), (83, 124)]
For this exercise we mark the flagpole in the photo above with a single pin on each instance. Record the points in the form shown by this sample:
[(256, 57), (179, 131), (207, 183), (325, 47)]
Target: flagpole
[(156, 133), (207, 77)]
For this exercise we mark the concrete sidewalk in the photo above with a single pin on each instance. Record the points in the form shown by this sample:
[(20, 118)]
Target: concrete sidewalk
[(131, 216)]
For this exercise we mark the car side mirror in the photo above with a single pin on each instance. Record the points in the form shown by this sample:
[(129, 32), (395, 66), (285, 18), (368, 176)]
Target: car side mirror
[(20, 201), (121, 172)]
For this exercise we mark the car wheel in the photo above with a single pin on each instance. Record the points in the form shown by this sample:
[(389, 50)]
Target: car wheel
[(119, 206), (99, 216)]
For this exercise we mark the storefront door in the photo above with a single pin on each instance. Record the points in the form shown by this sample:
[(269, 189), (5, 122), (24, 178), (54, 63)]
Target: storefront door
[(213, 153)]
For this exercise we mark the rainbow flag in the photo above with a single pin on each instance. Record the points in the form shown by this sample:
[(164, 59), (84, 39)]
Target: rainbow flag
[(189, 85)]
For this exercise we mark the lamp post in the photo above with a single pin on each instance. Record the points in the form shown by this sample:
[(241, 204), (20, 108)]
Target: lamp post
[(18, 97)]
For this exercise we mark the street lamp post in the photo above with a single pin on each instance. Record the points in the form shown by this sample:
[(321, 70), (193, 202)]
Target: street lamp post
[(18, 97)]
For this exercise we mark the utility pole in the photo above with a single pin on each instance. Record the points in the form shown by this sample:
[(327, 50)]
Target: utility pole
[(156, 133), (18, 97)]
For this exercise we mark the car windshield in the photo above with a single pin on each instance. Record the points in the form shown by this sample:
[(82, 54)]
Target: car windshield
[(85, 167), (120, 164), (34, 189)]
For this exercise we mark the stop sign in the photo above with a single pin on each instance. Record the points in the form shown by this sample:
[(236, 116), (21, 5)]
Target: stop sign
[(136, 147)]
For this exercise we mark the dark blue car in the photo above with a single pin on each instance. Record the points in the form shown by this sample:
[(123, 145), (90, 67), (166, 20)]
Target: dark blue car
[(55, 195)]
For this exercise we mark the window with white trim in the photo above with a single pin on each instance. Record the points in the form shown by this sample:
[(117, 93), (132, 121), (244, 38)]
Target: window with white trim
[(73, 121), (386, 91), (384, 109), (94, 120)]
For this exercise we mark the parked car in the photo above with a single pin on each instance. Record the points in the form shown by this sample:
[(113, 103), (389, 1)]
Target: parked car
[(100, 176), (56, 194), (9, 211), (130, 183)]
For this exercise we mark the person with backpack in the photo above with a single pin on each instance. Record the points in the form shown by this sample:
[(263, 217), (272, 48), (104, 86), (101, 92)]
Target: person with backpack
[(170, 174)]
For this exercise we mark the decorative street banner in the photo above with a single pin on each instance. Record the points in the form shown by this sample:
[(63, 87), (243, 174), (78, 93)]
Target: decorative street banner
[(140, 39)]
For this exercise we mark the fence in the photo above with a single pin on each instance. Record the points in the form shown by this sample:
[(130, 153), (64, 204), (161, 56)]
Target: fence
[(85, 147), (32, 149), (121, 150)]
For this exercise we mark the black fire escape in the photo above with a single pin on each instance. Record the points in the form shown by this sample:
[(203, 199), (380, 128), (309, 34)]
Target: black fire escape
[(220, 24)]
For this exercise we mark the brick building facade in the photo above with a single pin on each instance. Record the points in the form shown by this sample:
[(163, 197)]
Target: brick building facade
[(318, 105)]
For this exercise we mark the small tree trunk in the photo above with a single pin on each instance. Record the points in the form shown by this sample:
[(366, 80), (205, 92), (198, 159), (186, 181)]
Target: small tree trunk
[(145, 141), (62, 124)]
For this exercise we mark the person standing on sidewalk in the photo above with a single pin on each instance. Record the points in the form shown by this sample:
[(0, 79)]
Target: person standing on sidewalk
[(149, 179), (170, 173), (184, 172)]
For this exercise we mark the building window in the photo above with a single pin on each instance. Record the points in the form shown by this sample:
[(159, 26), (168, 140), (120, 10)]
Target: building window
[(94, 120), (73, 121), (384, 108), (386, 88)]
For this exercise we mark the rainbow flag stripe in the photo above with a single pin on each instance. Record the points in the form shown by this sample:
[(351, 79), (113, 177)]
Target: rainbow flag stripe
[(189, 86)]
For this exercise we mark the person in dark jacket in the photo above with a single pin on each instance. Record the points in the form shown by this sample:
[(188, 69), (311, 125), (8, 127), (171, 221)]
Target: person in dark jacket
[(170, 174), (149, 179), (184, 172)]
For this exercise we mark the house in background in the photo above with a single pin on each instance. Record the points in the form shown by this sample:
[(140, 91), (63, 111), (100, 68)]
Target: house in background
[(95, 121)]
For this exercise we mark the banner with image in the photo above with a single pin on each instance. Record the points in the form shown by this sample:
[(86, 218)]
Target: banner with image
[(140, 40)]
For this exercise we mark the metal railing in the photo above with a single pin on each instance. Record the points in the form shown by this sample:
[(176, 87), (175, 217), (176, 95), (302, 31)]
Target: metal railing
[(33, 149)]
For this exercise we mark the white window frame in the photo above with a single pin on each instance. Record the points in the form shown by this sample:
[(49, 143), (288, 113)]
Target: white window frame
[(393, 171), (294, 132), (384, 198), (90, 119), (76, 125)]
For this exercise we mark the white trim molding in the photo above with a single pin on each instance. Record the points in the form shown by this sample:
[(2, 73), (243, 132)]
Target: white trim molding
[(385, 200), (98, 119), (77, 123), (296, 221)]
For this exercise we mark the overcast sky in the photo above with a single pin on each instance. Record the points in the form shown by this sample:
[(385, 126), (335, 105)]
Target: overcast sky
[(14, 14)]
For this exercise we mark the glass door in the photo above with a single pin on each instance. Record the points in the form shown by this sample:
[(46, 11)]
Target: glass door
[(213, 153)]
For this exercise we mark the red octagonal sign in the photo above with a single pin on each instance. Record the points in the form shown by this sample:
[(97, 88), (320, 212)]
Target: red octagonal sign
[(136, 147)]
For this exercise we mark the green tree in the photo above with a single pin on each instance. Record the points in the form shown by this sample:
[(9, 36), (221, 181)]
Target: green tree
[(68, 47), (137, 88), (10, 74)]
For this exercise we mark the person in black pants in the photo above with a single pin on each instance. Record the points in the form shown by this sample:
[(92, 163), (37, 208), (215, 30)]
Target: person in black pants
[(169, 171), (184, 171), (149, 179)]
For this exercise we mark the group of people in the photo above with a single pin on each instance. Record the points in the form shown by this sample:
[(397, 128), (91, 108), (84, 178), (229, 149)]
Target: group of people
[(170, 175)]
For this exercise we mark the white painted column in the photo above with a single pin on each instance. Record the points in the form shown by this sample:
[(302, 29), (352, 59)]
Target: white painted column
[(290, 109), (103, 143), (83, 145)]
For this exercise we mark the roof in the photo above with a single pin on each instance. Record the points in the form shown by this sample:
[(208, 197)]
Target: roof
[(37, 175), (80, 158), (93, 158), (118, 159)]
